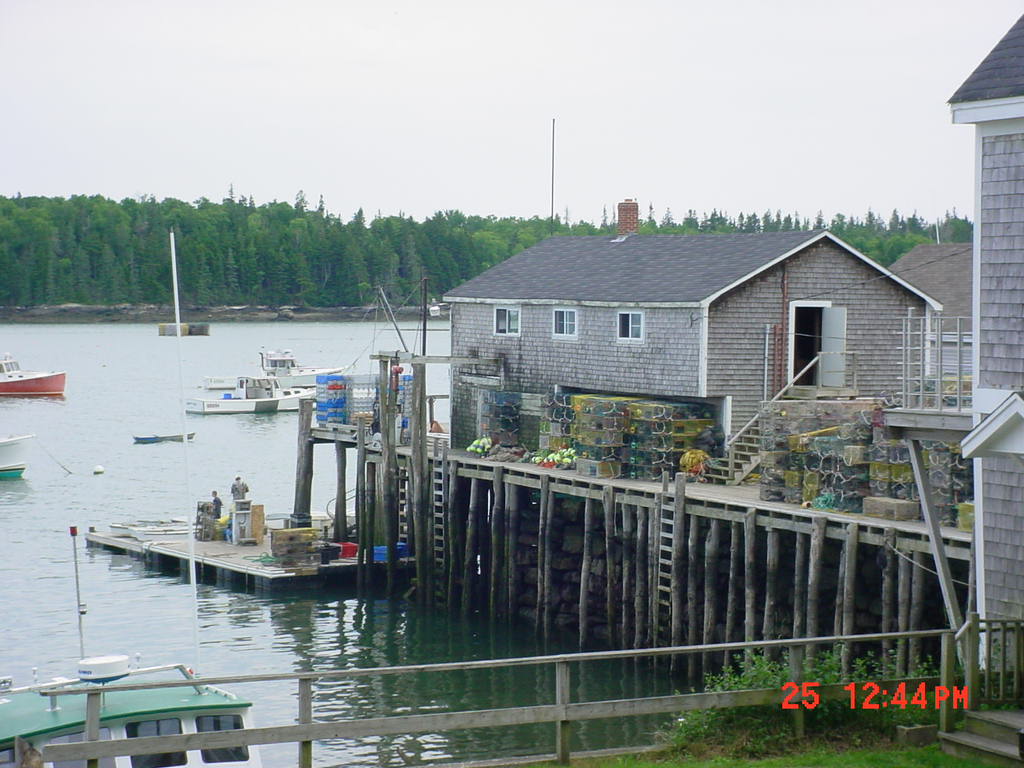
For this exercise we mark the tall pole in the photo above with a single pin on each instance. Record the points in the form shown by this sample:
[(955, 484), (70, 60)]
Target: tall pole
[(79, 608), (423, 292), (552, 174)]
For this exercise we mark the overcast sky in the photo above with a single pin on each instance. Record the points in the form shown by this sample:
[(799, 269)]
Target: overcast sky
[(412, 106)]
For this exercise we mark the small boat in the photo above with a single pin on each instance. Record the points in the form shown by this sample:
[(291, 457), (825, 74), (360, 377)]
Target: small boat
[(219, 382), (12, 458), (16, 382), (147, 439), (159, 531), (283, 366), (252, 395), (27, 712)]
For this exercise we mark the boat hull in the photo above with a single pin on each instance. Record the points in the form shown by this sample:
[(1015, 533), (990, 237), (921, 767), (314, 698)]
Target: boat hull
[(240, 405), (149, 439), (304, 377), (12, 456), (28, 384)]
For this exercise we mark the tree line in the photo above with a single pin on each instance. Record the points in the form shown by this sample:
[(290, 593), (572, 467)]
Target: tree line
[(94, 250)]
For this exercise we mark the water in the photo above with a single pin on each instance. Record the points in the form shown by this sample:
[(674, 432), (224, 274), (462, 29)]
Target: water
[(123, 380)]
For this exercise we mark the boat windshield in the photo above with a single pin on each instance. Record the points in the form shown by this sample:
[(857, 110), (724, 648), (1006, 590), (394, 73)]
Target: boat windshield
[(71, 738)]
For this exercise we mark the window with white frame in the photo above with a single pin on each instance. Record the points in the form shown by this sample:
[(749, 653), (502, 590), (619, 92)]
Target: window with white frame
[(506, 321), (564, 324), (631, 326)]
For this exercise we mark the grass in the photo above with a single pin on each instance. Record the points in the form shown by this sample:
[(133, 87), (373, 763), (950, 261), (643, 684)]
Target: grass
[(816, 757)]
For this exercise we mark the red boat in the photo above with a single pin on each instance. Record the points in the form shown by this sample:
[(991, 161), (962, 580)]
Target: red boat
[(14, 381)]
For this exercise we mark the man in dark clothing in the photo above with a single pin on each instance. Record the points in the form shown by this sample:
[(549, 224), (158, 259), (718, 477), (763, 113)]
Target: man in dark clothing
[(217, 504)]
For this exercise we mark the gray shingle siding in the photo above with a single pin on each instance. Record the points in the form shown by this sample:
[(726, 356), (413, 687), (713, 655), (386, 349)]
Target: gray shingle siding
[(874, 311), (1002, 257), (664, 364), (1004, 538)]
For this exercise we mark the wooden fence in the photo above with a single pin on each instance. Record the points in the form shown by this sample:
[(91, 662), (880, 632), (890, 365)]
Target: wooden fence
[(562, 711)]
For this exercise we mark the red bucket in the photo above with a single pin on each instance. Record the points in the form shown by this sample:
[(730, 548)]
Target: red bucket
[(349, 549)]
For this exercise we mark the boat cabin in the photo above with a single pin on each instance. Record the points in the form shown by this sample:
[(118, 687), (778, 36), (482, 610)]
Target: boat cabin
[(276, 362), (9, 365)]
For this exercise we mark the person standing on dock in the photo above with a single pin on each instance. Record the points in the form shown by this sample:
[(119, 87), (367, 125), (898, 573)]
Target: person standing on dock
[(239, 489), (217, 504)]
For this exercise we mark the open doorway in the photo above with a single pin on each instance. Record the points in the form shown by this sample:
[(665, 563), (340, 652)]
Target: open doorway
[(818, 329), (806, 343)]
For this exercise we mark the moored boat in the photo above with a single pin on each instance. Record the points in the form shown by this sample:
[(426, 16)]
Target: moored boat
[(252, 395), (281, 364), (147, 439), (19, 383), (28, 713), (12, 457)]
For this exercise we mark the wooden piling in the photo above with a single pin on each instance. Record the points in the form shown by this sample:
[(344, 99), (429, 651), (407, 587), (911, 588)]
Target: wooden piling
[(549, 594), (641, 597), (771, 587), (917, 608), (452, 540), (711, 545), (497, 542), (628, 575), (750, 575), (849, 594), (837, 608), (341, 493), (693, 621), (469, 572), (814, 563), (304, 465), (588, 553), (611, 582), (888, 597), (733, 586), (678, 578), (362, 528), (544, 557), (903, 613), (512, 504), (389, 473), (799, 583), (418, 497)]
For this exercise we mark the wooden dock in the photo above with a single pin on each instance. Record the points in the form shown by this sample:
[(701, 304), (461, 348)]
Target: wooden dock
[(245, 567)]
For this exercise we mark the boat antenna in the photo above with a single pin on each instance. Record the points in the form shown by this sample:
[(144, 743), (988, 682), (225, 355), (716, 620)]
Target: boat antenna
[(79, 605), (184, 453)]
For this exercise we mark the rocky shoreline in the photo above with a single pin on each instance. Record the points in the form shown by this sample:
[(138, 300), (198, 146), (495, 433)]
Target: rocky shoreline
[(164, 313)]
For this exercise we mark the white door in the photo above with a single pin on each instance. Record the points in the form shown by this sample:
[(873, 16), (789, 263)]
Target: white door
[(832, 366)]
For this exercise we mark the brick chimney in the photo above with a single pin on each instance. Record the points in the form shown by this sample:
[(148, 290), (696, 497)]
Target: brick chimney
[(629, 217)]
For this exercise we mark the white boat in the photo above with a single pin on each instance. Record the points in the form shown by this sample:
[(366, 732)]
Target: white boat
[(12, 458), (281, 364), (28, 713), (16, 382), (252, 395)]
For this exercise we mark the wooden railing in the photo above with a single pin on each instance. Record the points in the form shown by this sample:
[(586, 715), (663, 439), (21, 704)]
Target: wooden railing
[(562, 711), (993, 653)]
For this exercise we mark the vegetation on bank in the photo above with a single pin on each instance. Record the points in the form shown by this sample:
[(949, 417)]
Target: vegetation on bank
[(93, 250)]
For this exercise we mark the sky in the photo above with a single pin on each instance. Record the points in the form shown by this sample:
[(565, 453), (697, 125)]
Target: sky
[(411, 107)]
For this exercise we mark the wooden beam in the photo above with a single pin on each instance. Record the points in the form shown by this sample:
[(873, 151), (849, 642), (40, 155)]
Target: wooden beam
[(497, 543), (585, 568), (611, 584), (341, 493), (303, 466)]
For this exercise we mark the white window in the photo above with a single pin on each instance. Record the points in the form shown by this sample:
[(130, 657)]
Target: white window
[(506, 321), (631, 326), (564, 324)]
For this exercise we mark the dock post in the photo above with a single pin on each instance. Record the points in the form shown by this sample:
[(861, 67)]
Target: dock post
[(469, 562), (512, 503), (888, 597), (771, 588), (497, 542), (799, 584), (363, 532), (451, 532), (304, 466), (305, 717), (611, 584), (588, 553), (693, 622), (902, 614), (628, 575), (389, 495), (920, 572), (711, 545), (732, 596), (341, 493), (814, 561), (849, 594), (640, 603), (417, 497), (750, 576), (549, 540)]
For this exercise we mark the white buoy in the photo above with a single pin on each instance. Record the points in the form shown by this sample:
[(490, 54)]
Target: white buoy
[(98, 469)]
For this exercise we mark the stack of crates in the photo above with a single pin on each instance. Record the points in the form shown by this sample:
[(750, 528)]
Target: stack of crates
[(556, 427), (362, 395), (499, 416), (332, 400), (659, 433), (598, 433)]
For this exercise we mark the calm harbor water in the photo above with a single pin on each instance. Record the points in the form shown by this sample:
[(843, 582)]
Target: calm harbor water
[(123, 380)]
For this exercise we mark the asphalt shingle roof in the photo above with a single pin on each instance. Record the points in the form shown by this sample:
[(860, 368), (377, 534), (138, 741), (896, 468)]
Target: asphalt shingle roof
[(942, 271), (641, 268), (1001, 74)]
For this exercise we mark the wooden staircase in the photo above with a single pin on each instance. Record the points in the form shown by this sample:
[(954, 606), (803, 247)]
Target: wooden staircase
[(742, 457), (988, 738)]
